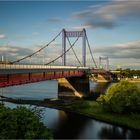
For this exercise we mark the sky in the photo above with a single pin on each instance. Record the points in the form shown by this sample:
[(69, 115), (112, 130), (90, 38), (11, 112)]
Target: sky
[(112, 27)]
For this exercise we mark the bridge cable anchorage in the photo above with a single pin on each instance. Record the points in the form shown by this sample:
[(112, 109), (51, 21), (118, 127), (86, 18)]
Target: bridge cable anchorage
[(90, 51), (74, 52), (63, 53), (45, 46)]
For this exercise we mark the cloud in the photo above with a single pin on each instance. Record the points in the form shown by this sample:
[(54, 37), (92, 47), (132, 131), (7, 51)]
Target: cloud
[(82, 14), (13, 53), (2, 36), (120, 54), (121, 9), (127, 50), (108, 16), (80, 27), (55, 19), (101, 23)]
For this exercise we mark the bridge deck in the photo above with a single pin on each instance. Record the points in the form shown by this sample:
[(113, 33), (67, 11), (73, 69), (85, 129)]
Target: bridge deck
[(11, 75), (23, 68)]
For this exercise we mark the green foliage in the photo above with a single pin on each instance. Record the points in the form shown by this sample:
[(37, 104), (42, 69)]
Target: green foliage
[(78, 106), (21, 123), (123, 97), (94, 110), (129, 73)]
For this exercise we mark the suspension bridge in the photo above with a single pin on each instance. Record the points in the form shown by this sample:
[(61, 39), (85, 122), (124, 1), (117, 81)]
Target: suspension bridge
[(73, 77)]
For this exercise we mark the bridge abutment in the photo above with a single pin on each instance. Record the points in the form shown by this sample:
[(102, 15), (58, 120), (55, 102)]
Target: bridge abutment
[(73, 87)]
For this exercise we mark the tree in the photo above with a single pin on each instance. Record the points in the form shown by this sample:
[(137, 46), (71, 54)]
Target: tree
[(21, 123), (123, 97)]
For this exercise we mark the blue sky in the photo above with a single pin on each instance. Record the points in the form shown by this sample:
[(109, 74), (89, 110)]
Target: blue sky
[(112, 28)]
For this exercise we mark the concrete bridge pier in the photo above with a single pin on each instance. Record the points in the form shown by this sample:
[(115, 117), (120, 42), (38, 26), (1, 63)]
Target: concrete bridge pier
[(73, 87)]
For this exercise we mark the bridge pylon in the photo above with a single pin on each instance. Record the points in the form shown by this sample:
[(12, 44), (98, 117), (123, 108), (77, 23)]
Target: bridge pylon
[(74, 34), (105, 59)]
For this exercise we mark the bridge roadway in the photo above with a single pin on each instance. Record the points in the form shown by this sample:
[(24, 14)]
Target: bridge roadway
[(23, 68), (16, 74)]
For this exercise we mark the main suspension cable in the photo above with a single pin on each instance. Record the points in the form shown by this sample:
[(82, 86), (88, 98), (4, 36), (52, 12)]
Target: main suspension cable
[(74, 52), (63, 52), (45, 46)]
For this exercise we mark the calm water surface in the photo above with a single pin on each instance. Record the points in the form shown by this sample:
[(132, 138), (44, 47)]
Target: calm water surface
[(67, 125)]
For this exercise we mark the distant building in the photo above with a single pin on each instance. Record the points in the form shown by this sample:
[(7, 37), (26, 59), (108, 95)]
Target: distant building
[(135, 77)]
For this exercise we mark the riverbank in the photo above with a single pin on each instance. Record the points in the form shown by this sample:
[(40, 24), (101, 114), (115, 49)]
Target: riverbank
[(94, 110), (132, 80), (86, 108)]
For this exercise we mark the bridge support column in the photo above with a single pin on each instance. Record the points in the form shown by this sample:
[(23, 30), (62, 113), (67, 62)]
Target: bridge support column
[(63, 47), (84, 48), (73, 87)]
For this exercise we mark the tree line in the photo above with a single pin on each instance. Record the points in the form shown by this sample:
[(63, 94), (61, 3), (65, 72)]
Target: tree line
[(129, 73)]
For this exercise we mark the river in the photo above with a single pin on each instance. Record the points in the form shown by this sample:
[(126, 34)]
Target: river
[(68, 125)]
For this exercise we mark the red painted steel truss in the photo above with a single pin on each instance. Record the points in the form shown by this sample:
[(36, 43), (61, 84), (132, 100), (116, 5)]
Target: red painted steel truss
[(18, 79)]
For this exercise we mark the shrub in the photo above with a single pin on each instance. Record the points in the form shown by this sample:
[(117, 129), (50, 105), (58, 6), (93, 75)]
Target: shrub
[(123, 97)]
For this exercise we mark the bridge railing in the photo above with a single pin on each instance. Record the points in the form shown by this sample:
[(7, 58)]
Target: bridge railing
[(27, 66)]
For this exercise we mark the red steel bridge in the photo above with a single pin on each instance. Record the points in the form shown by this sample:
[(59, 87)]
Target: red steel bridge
[(16, 73)]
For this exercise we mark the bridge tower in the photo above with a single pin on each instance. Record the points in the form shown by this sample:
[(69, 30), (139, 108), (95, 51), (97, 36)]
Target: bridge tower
[(105, 59), (74, 34)]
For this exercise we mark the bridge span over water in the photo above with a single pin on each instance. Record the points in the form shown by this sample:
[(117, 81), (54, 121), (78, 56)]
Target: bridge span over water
[(17, 74), (74, 78)]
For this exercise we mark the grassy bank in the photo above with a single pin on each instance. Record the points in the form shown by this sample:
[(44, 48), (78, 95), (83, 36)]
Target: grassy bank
[(94, 110)]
